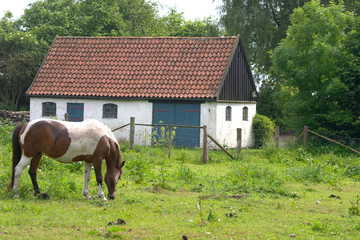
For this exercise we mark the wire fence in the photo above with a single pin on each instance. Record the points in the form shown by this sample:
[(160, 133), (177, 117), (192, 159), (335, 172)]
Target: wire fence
[(350, 145), (166, 135)]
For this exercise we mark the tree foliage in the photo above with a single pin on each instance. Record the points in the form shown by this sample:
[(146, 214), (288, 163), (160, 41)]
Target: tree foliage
[(314, 60), (24, 42), (20, 57), (262, 24), (177, 26), (49, 18)]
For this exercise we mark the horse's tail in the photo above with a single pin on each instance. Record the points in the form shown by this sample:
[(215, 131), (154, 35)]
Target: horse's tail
[(16, 156)]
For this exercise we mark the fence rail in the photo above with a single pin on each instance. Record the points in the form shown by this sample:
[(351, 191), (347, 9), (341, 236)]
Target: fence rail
[(132, 125), (305, 135)]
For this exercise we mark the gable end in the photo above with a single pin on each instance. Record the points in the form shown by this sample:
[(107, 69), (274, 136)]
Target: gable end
[(238, 84)]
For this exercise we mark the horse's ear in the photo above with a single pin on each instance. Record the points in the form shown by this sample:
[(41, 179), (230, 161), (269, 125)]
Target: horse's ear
[(122, 164)]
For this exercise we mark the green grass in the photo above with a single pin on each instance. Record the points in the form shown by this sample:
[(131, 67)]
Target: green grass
[(266, 194)]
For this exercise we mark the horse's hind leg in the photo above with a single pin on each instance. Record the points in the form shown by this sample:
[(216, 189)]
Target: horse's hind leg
[(87, 175), (24, 161), (35, 162)]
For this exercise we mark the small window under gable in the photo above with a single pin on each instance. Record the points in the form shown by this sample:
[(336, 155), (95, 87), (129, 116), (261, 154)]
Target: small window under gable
[(245, 114), (109, 110), (228, 113), (48, 109)]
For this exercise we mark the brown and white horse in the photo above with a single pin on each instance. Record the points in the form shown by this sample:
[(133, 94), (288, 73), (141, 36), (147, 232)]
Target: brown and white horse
[(89, 141)]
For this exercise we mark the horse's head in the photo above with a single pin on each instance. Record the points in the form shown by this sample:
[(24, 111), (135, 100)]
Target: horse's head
[(113, 174)]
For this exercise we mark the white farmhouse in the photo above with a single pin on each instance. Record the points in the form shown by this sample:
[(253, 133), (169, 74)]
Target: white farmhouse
[(173, 80)]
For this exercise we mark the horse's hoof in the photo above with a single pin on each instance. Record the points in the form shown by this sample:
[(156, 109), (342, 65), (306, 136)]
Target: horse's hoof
[(44, 196), (87, 196)]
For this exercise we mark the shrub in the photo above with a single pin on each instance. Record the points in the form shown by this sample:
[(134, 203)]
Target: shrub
[(6, 128), (264, 130)]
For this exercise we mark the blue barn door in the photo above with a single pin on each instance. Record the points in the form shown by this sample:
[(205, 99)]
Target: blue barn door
[(75, 112), (179, 114), (163, 113), (188, 115)]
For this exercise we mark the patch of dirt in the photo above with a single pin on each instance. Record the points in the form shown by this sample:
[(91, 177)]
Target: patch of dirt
[(286, 139)]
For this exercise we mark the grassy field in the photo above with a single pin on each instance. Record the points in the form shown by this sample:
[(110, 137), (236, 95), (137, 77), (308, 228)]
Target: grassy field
[(265, 194)]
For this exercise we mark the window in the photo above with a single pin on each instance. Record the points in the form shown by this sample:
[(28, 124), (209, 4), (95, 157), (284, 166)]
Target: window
[(245, 114), (48, 109), (228, 113), (110, 110)]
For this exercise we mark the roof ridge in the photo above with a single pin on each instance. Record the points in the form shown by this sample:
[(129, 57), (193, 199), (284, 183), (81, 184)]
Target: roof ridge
[(159, 37)]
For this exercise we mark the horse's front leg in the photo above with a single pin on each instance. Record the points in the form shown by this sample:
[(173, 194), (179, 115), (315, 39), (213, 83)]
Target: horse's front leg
[(99, 178), (87, 175), (35, 162), (24, 161)]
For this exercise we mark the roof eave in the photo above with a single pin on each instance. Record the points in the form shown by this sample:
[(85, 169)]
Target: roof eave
[(123, 98)]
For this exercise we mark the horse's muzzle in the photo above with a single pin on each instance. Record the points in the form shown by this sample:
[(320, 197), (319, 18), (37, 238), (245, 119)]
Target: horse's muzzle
[(111, 197)]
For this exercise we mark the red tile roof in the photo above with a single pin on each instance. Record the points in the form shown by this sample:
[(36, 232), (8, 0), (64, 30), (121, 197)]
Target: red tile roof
[(134, 67)]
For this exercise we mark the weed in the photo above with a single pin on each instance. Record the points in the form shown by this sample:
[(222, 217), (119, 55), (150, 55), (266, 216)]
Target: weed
[(186, 174), (320, 226), (112, 230), (182, 157), (6, 128), (312, 173), (133, 200), (98, 202), (357, 227), (160, 135), (354, 210), (255, 178), (163, 178), (201, 221), (137, 167), (353, 171)]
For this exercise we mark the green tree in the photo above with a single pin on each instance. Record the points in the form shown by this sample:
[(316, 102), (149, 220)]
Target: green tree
[(20, 57), (24, 42), (49, 18), (262, 24), (313, 60), (177, 26)]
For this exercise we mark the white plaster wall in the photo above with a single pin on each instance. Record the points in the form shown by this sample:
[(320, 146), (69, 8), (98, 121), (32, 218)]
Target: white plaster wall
[(140, 109), (208, 118), (212, 115), (226, 133)]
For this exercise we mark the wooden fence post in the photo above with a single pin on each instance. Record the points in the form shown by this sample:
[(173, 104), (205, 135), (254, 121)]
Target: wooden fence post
[(277, 135), (306, 135), (169, 136), (238, 141), (132, 133), (66, 116), (205, 145)]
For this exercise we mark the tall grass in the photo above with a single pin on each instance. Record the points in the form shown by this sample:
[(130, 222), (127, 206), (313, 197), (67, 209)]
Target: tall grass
[(266, 193), (257, 171)]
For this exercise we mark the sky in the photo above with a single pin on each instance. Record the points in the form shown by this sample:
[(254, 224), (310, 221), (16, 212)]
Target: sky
[(192, 9)]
